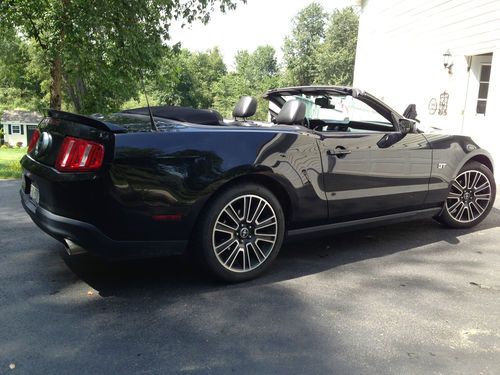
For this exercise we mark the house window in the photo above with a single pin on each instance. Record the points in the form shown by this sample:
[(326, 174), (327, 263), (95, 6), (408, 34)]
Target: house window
[(16, 129), (484, 83)]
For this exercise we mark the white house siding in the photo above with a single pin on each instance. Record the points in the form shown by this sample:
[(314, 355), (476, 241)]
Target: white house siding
[(13, 139), (400, 59)]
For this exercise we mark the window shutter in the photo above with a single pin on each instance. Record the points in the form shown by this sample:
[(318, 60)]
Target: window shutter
[(22, 129), (10, 129)]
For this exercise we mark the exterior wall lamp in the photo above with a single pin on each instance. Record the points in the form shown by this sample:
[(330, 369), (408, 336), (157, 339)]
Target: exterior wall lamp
[(447, 61)]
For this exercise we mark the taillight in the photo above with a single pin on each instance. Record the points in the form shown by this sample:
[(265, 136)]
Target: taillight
[(79, 155), (34, 139)]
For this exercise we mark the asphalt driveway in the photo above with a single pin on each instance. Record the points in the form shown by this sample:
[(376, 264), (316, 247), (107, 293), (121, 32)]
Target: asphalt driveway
[(409, 298)]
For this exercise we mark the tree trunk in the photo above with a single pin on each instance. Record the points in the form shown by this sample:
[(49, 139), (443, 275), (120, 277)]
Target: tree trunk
[(55, 84)]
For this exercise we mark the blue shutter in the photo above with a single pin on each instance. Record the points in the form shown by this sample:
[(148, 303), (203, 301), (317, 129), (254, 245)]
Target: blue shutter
[(22, 128), (10, 129)]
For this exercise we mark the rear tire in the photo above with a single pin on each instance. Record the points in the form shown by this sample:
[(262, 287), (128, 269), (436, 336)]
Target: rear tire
[(471, 197), (241, 233)]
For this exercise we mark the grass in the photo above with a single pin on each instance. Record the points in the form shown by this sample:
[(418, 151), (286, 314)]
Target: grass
[(9, 162)]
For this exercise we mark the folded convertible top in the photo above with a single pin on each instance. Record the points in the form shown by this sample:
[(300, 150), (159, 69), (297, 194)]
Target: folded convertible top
[(183, 114)]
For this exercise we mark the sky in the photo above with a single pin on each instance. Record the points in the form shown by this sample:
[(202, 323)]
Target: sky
[(255, 23)]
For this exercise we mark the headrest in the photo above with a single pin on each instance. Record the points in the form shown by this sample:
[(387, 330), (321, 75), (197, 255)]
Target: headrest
[(246, 107), (292, 113)]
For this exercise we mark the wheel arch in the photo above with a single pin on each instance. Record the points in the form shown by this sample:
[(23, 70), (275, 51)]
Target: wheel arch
[(263, 179), (483, 159), (272, 183), (480, 156)]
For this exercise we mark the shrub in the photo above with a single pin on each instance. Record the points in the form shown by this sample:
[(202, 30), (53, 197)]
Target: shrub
[(19, 144)]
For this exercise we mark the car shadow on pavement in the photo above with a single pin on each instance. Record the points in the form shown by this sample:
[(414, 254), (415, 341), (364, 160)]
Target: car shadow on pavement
[(132, 278)]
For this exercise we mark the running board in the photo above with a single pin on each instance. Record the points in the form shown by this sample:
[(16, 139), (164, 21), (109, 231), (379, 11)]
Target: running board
[(362, 223)]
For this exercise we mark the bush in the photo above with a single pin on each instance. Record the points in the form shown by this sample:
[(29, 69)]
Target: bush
[(19, 144), (3, 146)]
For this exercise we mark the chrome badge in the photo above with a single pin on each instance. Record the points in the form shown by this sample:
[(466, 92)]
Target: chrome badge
[(441, 165)]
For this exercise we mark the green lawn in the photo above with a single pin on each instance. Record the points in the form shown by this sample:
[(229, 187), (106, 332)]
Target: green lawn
[(9, 162)]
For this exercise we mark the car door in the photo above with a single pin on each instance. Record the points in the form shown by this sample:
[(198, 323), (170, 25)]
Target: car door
[(373, 170)]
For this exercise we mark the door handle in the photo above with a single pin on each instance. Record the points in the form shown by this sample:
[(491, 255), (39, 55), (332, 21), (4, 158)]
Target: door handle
[(339, 152)]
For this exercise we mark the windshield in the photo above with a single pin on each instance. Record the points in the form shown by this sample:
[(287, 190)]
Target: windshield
[(339, 108)]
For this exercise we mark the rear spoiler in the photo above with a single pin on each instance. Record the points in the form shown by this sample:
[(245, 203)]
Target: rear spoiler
[(85, 120)]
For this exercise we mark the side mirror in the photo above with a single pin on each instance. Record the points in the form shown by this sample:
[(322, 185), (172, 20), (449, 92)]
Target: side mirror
[(407, 126)]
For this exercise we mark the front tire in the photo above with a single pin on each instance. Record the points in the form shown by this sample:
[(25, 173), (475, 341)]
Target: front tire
[(241, 233), (471, 197)]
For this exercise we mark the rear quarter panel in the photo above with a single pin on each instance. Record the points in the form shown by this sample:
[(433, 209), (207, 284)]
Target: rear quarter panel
[(177, 172)]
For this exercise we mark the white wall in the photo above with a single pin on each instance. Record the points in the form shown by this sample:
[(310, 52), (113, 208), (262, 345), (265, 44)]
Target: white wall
[(400, 59)]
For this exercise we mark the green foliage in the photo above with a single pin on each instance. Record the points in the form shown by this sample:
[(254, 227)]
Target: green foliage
[(187, 79), (255, 73), (20, 81), (302, 46), (321, 49), (338, 52), (96, 50), (106, 47)]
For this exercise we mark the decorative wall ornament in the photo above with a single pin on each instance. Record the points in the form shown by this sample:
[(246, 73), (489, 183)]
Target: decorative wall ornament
[(432, 106), (443, 104)]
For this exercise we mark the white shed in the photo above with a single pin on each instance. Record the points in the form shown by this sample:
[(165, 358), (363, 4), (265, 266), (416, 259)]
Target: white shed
[(442, 55), (18, 126)]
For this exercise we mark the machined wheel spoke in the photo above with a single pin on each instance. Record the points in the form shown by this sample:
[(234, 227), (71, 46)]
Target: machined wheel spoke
[(483, 186), (475, 180), (467, 208), (247, 201), (266, 223), (223, 227), (229, 211), (466, 180), (457, 186), (461, 211), (232, 257), (454, 206), (482, 196), (258, 253), (256, 245), (265, 237), (477, 207), (247, 262), (257, 212), (225, 245)]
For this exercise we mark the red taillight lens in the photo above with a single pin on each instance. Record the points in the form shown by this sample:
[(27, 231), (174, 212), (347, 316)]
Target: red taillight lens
[(79, 155), (34, 139)]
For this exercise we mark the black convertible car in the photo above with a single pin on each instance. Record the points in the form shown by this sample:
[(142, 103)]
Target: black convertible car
[(165, 180)]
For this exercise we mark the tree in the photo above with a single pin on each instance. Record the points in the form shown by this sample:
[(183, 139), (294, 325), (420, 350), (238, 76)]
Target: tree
[(259, 65), (187, 79), (338, 53), (301, 47), (255, 73), (100, 48), (20, 81)]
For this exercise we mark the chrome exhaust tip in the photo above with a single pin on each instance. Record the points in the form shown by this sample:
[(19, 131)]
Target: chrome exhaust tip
[(73, 248)]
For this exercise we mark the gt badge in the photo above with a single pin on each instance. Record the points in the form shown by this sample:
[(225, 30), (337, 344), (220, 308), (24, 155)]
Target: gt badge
[(441, 165)]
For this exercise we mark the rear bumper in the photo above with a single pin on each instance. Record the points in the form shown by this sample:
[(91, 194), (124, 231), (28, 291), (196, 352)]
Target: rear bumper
[(92, 239)]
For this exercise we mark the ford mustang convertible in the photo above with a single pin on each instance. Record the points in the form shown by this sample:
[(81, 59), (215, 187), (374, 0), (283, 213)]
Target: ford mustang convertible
[(170, 180)]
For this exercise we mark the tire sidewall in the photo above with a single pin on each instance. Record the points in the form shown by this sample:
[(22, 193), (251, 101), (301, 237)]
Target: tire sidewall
[(205, 247)]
